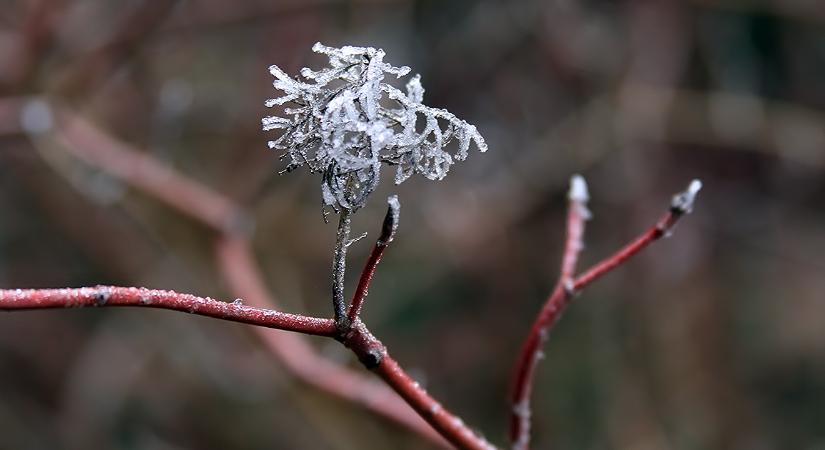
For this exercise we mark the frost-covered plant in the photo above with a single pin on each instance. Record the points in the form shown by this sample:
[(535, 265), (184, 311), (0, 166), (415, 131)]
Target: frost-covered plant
[(344, 121)]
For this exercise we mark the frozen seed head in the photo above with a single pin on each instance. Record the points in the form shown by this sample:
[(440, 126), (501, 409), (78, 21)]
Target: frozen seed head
[(682, 202), (343, 121)]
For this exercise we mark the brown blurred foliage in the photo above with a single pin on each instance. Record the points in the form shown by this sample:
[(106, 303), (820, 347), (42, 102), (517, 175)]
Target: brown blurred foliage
[(713, 339)]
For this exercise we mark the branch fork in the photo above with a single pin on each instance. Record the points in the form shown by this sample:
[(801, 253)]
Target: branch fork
[(237, 263), (569, 285)]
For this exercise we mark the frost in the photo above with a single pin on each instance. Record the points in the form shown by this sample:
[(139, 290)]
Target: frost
[(344, 121), (579, 196), (578, 189), (683, 201)]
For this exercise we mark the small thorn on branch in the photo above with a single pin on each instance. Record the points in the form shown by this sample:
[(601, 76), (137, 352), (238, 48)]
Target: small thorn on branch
[(682, 202), (102, 295), (354, 240)]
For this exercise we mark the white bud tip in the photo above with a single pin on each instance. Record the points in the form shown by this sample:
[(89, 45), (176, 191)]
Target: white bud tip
[(683, 201), (390, 220), (578, 189), (393, 202)]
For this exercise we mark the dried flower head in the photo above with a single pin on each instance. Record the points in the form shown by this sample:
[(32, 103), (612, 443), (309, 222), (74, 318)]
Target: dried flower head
[(344, 121)]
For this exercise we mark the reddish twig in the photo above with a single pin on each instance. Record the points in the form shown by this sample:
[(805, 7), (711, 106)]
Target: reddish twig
[(387, 235), (235, 261), (17, 299), (237, 264), (373, 354), (530, 354), (143, 172), (577, 214), (681, 204), (450, 426)]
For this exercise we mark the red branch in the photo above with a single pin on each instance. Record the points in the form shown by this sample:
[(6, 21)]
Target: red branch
[(628, 251), (387, 235), (530, 355), (450, 426), (143, 172), (238, 266), (236, 263), (16, 299), (681, 204)]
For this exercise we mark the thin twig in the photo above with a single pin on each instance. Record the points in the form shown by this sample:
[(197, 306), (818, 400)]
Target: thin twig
[(239, 268), (339, 268), (388, 230), (235, 260), (531, 353), (681, 204), (93, 146), (373, 354), (449, 425), (98, 296)]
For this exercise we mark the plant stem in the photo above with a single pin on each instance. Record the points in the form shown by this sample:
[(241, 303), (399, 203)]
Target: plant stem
[(22, 299), (531, 352), (568, 284), (387, 234), (339, 267)]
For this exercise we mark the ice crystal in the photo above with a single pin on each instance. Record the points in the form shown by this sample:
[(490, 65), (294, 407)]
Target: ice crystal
[(344, 121)]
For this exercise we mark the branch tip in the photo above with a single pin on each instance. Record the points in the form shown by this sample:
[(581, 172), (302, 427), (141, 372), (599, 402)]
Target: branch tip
[(390, 225), (682, 202), (578, 190), (579, 196)]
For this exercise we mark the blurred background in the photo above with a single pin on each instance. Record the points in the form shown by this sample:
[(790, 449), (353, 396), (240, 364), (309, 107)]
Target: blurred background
[(711, 339)]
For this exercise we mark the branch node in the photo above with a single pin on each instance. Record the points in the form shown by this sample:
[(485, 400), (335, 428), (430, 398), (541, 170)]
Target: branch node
[(369, 350), (682, 202), (102, 296), (372, 358), (569, 287)]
